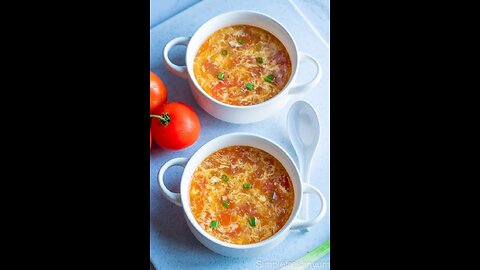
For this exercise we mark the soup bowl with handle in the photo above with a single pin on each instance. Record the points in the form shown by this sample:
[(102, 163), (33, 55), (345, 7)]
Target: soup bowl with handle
[(182, 199), (233, 113)]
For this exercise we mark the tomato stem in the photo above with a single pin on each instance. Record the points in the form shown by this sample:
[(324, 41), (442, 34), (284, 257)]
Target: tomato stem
[(164, 118)]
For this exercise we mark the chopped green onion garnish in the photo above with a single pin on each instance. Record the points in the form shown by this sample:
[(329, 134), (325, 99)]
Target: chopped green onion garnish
[(225, 204), (259, 60), (273, 196), (310, 257), (224, 52), (249, 86), (220, 75), (251, 221), (224, 178), (241, 41), (269, 78), (213, 224), (247, 185)]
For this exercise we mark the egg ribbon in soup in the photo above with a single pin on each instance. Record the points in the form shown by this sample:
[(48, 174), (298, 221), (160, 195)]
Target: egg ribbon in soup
[(242, 65), (241, 195)]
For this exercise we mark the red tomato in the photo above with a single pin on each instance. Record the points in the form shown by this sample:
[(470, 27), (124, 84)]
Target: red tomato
[(225, 218), (158, 92), (175, 126), (150, 138)]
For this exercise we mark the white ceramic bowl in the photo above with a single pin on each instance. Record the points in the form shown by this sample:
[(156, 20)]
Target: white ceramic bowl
[(232, 113), (182, 199)]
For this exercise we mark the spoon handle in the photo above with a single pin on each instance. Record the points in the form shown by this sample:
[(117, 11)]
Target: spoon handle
[(304, 207)]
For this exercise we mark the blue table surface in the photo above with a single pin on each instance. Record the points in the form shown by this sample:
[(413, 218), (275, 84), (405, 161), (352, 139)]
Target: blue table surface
[(172, 245), (316, 11)]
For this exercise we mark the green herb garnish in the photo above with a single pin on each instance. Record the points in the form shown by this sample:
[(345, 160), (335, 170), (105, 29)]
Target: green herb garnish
[(249, 86), (241, 41), (259, 60), (225, 204), (213, 224), (269, 78), (273, 196), (220, 76), (224, 52), (247, 185), (251, 221), (224, 178)]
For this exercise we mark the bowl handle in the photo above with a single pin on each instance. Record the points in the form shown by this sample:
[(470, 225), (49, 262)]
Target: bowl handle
[(180, 71), (302, 224), (297, 89), (171, 196)]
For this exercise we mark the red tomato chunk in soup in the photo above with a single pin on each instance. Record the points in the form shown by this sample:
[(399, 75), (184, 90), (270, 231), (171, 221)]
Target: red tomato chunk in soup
[(241, 195), (242, 65)]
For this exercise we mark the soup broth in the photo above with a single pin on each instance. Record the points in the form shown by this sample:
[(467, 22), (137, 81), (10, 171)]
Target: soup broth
[(241, 195), (242, 65)]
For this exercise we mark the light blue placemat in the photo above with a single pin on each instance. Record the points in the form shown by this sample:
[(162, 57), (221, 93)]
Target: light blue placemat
[(161, 10), (172, 245), (316, 11)]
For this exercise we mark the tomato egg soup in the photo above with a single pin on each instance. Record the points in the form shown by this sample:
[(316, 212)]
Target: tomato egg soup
[(242, 65), (241, 195)]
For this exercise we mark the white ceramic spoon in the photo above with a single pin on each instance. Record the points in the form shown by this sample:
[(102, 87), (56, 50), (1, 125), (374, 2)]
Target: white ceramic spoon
[(304, 130)]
